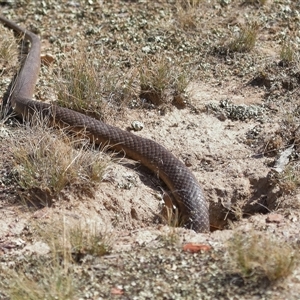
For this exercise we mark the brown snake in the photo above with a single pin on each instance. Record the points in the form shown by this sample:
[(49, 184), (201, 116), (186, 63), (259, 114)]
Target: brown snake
[(184, 187)]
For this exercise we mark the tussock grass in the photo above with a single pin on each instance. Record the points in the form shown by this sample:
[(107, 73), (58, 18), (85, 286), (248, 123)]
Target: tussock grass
[(91, 85), (8, 61), (287, 53), (161, 80), (187, 13), (8, 49), (254, 255), (86, 239), (55, 276), (78, 87), (73, 241), (46, 162), (246, 39), (48, 280)]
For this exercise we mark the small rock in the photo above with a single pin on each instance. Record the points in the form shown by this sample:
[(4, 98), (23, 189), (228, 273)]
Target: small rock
[(221, 116), (116, 291), (274, 218), (179, 101), (137, 125), (146, 49), (194, 248), (38, 247), (47, 59), (41, 213)]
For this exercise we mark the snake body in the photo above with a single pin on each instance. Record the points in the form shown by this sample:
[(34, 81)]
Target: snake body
[(184, 187)]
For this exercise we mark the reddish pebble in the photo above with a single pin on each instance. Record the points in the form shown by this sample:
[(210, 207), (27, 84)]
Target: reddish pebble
[(194, 248), (47, 59), (116, 291), (274, 218)]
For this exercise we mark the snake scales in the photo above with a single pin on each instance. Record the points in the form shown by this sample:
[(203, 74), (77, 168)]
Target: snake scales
[(185, 189)]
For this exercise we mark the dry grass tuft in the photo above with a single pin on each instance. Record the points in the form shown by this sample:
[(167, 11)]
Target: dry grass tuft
[(161, 80), (246, 39), (45, 162), (90, 85), (172, 219), (255, 255), (8, 61), (237, 209), (74, 241), (288, 181), (78, 87), (54, 280), (55, 275), (86, 239), (287, 54), (187, 14), (8, 49)]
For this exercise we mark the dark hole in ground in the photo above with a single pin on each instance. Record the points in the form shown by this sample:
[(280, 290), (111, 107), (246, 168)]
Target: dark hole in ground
[(263, 200)]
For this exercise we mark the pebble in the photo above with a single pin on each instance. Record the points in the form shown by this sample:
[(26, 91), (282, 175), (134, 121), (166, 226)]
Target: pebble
[(274, 218)]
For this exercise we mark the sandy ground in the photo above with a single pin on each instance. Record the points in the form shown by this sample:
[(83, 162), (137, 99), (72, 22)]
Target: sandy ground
[(231, 167)]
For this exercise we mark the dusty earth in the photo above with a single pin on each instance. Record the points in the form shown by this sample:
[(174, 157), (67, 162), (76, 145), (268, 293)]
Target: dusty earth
[(229, 148)]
